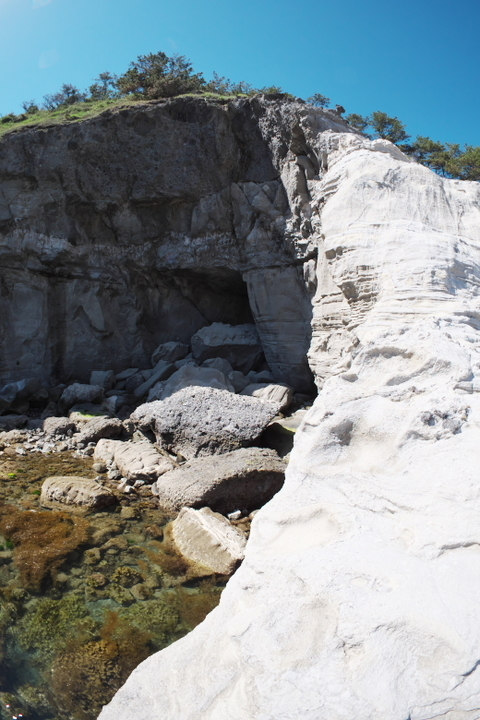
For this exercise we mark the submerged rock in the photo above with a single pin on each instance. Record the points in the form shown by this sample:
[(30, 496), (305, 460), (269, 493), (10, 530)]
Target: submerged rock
[(81, 492), (208, 539), (245, 478), (137, 460)]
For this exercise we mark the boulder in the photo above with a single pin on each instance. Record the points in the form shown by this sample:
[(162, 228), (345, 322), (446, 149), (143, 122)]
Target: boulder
[(219, 364), (11, 422), (162, 371), (19, 390), (134, 381), (170, 352), (238, 380), (192, 375), (199, 421), (78, 393), (125, 374), (78, 491), (114, 403), (245, 478), (103, 378), (271, 392), (239, 344), (208, 539), (58, 426), (135, 460), (102, 427), (84, 412)]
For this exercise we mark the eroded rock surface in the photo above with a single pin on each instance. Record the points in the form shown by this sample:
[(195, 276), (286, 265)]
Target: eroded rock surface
[(198, 421), (245, 478), (359, 593), (209, 540), (76, 491)]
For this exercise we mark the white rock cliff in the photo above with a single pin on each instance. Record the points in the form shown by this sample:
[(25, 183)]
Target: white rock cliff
[(359, 596)]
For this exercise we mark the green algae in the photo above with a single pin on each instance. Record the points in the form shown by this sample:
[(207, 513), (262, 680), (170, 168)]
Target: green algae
[(121, 592)]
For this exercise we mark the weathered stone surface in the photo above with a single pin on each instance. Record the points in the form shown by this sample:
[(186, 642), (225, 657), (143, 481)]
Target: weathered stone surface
[(77, 491), (193, 376), (103, 378), (19, 390), (78, 394), (170, 352), (238, 380), (239, 345), (125, 282), (10, 422), (162, 371), (245, 478), (135, 460), (200, 421), (270, 392), (359, 593), (58, 425), (208, 539), (102, 427), (219, 364)]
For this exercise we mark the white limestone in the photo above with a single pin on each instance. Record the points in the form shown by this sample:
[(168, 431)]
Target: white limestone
[(359, 596)]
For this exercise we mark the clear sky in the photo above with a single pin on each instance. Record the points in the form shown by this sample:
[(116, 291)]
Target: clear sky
[(416, 59)]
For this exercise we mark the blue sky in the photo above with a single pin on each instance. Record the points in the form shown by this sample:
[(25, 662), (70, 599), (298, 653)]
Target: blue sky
[(418, 59)]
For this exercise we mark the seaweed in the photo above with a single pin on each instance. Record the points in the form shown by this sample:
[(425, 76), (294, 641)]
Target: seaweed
[(42, 541)]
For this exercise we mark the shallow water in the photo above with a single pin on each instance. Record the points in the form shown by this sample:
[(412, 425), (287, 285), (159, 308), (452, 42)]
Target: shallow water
[(83, 599)]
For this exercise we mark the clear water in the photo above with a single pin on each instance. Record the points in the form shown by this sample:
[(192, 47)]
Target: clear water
[(83, 600)]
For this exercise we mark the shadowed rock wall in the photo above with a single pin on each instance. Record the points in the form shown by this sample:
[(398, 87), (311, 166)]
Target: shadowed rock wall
[(145, 224)]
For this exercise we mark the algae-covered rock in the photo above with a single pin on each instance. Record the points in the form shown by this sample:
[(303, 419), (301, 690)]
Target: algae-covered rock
[(75, 491)]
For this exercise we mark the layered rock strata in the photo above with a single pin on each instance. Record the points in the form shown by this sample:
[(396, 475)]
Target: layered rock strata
[(359, 593)]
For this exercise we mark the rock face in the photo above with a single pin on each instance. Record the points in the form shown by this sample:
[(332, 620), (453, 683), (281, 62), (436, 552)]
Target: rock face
[(359, 593), (134, 460), (200, 421), (207, 539), (144, 225), (245, 478)]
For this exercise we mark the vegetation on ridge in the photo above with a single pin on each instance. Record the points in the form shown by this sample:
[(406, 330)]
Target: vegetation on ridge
[(156, 75)]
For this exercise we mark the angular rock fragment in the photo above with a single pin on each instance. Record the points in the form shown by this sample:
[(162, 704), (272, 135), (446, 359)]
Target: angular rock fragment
[(78, 393), (77, 491), (239, 344), (245, 478), (135, 460), (200, 421), (170, 351), (58, 425), (208, 539), (270, 392), (191, 375), (162, 371), (103, 378), (102, 427)]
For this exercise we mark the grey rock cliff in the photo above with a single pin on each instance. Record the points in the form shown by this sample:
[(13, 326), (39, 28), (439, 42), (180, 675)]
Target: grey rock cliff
[(145, 224)]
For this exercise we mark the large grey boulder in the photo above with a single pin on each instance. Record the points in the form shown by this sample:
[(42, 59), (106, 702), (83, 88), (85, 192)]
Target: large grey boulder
[(78, 491), (18, 391), (191, 375), (208, 539), (78, 393), (170, 352), (238, 344), (200, 421), (104, 378), (58, 426), (245, 478), (102, 427), (134, 460)]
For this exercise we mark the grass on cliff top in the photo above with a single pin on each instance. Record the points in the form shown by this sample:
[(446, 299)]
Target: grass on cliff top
[(84, 111)]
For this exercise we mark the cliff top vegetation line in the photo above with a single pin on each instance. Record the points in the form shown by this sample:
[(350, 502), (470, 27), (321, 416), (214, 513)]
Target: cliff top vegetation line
[(156, 76)]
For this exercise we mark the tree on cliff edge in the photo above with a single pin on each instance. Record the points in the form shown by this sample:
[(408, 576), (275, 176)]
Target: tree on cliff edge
[(157, 75)]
